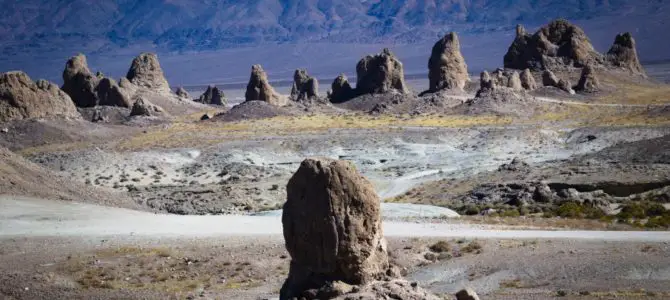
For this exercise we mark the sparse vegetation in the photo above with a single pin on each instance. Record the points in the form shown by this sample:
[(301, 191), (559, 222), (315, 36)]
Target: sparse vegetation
[(441, 246)]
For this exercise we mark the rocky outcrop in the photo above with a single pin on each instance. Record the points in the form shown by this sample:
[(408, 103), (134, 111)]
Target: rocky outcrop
[(182, 93), (588, 81), (514, 81), (446, 66), (555, 45), (393, 289), (304, 87), (485, 81), (467, 294), (527, 80), (79, 83), (212, 96), (341, 90), (109, 93), (146, 72), (380, 73), (259, 88), (623, 54), (332, 228), (142, 107), (500, 79), (21, 98), (565, 85), (549, 78)]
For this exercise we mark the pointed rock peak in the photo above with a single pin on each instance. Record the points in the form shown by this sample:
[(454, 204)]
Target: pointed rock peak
[(259, 88), (625, 40), (145, 71), (446, 66), (623, 54), (387, 51), (520, 31)]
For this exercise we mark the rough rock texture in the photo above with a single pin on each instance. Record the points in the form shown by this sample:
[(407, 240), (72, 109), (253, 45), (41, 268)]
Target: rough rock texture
[(79, 83), (564, 84), (259, 88), (588, 82), (446, 66), (485, 81), (394, 289), (212, 96), (182, 93), (21, 98), (332, 227), (467, 294), (527, 80), (549, 78), (341, 90), (557, 44), (623, 54), (145, 71), (304, 86), (143, 107), (380, 73), (109, 93), (514, 81)]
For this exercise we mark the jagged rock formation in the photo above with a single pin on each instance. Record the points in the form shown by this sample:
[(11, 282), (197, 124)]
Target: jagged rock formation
[(549, 78), (332, 228), (446, 66), (142, 107), (259, 88), (485, 81), (502, 79), (145, 71), (623, 54), (565, 85), (588, 82), (514, 81), (212, 96), (109, 93), (380, 73), (21, 98), (304, 87), (341, 90), (527, 80), (182, 93), (79, 83), (557, 44)]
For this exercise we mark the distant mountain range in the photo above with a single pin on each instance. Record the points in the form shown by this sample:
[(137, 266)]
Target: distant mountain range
[(185, 25)]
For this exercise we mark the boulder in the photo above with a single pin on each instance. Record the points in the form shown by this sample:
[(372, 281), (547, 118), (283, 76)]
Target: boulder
[(393, 289), (182, 93), (332, 227), (145, 72), (79, 83), (212, 96), (549, 78), (380, 73), (143, 107), (565, 85), (21, 98), (467, 294), (623, 54), (514, 81), (527, 80), (259, 88), (446, 66), (341, 90), (588, 82), (304, 86), (557, 44), (109, 93)]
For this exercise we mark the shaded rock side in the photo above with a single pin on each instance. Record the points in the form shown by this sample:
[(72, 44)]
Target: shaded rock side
[(110, 93), (259, 88), (527, 80), (212, 96), (549, 78), (380, 73), (514, 81), (21, 98), (146, 72), (341, 90), (304, 87), (79, 83), (588, 81), (557, 44), (332, 228), (182, 93), (467, 294), (446, 66), (143, 107), (623, 54)]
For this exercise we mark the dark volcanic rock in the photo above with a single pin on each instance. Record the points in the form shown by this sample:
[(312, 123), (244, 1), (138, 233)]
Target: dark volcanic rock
[(446, 66), (79, 83), (109, 93), (623, 54), (145, 71), (21, 98), (341, 90), (380, 73), (212, 96), (557, 44), (259, 88), (588, 82), (304, 86)]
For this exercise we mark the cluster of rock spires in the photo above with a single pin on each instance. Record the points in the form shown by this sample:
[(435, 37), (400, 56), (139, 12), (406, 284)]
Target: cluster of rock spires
[(506, 80), (332, 229), (212, 96), (21, 98), (88, 90), (561, 44), (304, 87)]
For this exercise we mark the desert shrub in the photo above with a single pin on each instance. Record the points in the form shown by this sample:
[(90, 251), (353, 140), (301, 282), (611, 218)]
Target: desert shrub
[(473, 246), (439, 247), (632, 211), (510, 213), (574, 210)]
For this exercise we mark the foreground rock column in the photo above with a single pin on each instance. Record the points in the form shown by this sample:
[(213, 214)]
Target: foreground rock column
[(446, 66), (332, 228)]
